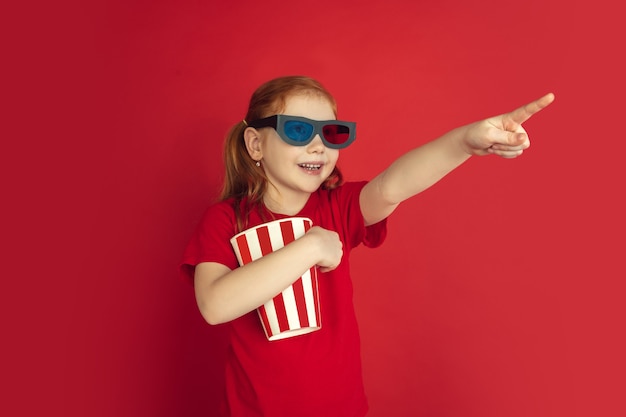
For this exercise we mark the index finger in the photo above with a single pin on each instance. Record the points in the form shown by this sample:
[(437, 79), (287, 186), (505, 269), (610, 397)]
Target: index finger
[(520, 115)]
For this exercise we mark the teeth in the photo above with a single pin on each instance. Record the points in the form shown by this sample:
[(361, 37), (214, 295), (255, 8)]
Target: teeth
[(311, 166)]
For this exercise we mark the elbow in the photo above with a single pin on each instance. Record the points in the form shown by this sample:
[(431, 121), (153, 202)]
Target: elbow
[(212, 315), (211, 312), (213, 320), (210, 304)]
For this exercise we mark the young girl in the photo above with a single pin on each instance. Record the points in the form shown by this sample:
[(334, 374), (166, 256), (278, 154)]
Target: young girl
[(281, 162)]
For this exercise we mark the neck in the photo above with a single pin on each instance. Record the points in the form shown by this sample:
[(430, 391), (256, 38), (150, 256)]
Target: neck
[(283, 204)]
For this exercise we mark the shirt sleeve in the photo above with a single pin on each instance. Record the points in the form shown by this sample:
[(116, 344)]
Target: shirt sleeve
[(211, 241), (371, 236)]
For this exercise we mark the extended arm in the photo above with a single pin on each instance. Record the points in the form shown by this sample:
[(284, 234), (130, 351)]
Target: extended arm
[(422, 167)]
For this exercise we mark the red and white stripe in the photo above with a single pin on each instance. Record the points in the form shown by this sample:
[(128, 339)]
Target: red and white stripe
[(294, 311)]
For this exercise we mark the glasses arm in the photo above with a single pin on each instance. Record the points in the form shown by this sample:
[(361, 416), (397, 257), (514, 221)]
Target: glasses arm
[(265, 122)]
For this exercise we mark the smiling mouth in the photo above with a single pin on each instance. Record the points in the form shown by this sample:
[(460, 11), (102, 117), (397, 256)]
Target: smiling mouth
[(310, 167)]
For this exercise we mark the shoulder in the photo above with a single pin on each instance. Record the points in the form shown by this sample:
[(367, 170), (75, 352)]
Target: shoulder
[(345, 191), (343, 197), (220, 209), (219, 215), (211, 240)]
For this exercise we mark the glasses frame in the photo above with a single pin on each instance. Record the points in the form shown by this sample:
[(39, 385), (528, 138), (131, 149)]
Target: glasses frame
[(277, 122)]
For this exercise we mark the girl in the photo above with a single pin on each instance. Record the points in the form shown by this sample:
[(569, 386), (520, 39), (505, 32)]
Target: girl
[(281, 162)]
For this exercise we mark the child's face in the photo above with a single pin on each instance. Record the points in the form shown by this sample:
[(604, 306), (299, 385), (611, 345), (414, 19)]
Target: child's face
[(297, 171)]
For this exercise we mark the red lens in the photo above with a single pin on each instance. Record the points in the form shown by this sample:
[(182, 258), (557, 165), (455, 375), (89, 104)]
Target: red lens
[(336, 134)]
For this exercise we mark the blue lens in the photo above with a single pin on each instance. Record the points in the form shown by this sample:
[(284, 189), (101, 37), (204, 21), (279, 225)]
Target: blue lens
[(298, 131)]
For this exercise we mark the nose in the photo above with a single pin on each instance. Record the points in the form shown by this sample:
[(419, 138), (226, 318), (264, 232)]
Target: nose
[(316, 145)]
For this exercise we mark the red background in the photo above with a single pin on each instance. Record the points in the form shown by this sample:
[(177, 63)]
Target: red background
[(499, 292)]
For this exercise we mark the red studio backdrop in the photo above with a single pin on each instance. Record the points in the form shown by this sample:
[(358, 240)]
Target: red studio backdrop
[(499, 291)]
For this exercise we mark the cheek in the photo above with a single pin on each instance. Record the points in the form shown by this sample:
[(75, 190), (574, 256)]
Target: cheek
[(274, 147), (333, 157)]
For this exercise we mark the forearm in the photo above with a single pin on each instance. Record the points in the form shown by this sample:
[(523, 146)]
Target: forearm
[(237, 292), (420, 168)]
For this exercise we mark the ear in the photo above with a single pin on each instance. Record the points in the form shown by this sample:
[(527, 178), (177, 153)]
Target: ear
[(253, 139)]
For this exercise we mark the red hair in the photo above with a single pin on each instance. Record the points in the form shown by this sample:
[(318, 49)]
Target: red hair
[(244, 181)]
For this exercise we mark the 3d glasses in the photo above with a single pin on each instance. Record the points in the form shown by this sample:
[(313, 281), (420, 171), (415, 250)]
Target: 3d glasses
[(300, 131)]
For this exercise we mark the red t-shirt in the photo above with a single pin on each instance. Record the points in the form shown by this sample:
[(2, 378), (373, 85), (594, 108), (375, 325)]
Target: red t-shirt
[(316, 374)]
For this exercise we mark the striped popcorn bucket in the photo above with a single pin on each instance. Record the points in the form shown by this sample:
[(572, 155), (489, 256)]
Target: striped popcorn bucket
[(296, 310)]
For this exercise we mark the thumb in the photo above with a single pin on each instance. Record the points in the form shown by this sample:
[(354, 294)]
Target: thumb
[(516, 138), (505, 137)]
